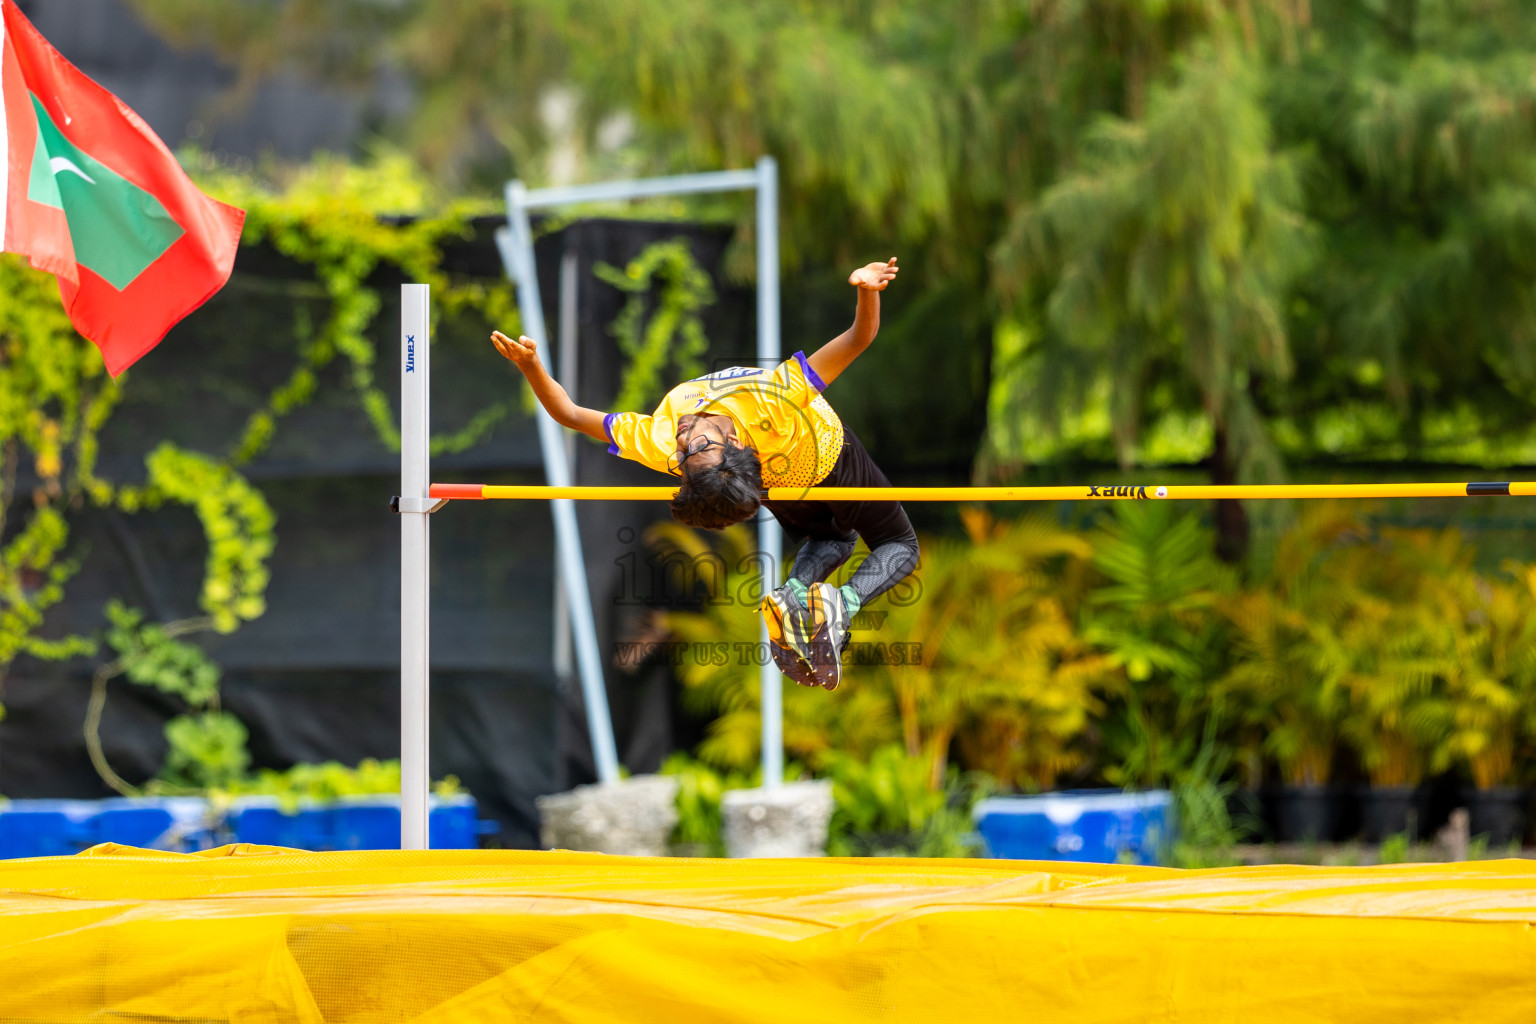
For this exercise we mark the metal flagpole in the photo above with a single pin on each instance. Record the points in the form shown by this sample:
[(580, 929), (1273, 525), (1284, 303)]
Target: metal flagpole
[(414, 504)]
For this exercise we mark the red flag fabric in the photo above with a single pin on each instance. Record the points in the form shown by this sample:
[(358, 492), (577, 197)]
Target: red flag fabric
[(93, 196)]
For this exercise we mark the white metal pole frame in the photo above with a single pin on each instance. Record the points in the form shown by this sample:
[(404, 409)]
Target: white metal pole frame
[(769, 539), (414, 507), (567, 377), (516, 244), (517, 252)]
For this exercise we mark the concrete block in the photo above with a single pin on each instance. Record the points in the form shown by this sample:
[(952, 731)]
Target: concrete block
[(632, 817), (790, 821)]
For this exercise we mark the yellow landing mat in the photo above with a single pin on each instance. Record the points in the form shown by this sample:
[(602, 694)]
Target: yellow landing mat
[(253, 934)]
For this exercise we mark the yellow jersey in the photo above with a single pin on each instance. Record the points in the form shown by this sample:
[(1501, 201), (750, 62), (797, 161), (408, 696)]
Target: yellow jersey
[(781, 415)]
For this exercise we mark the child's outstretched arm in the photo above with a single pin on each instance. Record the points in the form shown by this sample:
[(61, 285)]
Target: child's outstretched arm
[(524, 354), (833, 357)]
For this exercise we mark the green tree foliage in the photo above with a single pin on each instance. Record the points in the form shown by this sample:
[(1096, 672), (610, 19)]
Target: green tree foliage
[(1407, 131), (1170, 248), (1414, 332), (847, 100)]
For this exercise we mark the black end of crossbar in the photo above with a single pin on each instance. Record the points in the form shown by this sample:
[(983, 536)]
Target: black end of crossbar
[(1487, 488)]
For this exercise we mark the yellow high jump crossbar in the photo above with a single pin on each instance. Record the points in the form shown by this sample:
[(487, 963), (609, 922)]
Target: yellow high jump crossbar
[(1112, 492)]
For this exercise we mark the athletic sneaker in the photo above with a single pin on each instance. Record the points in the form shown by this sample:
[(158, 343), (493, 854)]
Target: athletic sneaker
[(784, 612), (827, 627)]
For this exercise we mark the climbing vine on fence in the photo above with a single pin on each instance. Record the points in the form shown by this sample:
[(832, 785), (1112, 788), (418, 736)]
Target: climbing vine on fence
[(666, 281), (55, 398), (328, 218)]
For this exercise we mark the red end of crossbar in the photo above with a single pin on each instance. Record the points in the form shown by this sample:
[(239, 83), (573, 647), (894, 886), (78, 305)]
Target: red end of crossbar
[(471, 491)]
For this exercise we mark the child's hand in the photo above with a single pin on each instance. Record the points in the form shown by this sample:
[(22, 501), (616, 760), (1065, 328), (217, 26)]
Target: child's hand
[(521, 352), (875, 276)]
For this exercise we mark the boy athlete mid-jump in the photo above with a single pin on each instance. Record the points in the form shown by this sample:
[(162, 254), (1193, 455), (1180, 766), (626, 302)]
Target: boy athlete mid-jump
[(729, 435)]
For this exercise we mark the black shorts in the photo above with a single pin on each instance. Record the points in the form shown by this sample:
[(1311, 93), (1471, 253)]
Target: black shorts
[(878, 522)]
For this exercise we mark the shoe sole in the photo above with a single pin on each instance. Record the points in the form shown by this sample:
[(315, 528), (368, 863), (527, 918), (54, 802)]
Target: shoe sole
[(831, 613), (786, 632)]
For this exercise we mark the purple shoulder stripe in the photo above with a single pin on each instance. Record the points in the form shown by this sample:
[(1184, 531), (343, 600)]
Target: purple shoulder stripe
[(810, 374), (613, 449)]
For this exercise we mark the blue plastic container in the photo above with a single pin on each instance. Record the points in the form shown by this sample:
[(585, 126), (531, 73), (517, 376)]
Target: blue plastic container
[(262, 821), (1093, 826), (133, 826), (46, 828), (366, 824), (352, 823), (454, 824), (160, 823), (57, 828)]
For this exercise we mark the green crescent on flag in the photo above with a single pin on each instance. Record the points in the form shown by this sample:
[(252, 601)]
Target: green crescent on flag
[(91, 195), (117, 228)]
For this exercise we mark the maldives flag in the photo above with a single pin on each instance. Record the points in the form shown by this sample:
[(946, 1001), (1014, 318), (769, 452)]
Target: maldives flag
[(94, 197)]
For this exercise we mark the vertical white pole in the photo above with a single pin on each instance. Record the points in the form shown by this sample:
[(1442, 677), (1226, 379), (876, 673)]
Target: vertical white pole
[(415, 557), (769, 539), (564, 656), (589, 662)]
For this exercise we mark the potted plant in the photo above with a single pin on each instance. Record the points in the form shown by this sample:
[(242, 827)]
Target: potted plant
[(1395, 659), (1491, 697), (1402, 647), (1390, 723), (1297, 710), (1295, 644)]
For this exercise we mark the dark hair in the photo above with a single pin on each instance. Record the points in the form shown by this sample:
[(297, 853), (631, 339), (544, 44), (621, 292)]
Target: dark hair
[(716, 496)]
